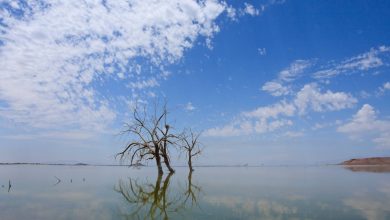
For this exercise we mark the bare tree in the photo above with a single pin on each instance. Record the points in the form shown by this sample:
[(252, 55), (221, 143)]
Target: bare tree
[(191, 146), (151, 138)]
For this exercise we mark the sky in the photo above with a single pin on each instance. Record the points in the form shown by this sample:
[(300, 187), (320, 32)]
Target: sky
[(266, 82)]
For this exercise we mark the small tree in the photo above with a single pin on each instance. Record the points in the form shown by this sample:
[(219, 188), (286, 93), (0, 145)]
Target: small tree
[(191, 146), (151, 138)]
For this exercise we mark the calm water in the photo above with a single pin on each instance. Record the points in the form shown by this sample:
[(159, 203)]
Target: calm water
[(329, 192)]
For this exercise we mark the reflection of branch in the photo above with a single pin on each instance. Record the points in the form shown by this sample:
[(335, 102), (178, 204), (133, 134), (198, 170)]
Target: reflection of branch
[(58, 181), (191, 193), (191, 187), (152, 199)]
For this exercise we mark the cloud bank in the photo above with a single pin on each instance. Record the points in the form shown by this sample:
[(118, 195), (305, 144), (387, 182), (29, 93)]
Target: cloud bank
[(365, 124), (272, 117), (56, 56), (301, 100)]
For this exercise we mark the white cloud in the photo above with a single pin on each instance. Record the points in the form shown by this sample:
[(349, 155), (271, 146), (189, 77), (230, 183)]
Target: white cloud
[(231, 12), (365, 94), (273, 111), (251, 10), (272, 125), (371, 207), (262, 51), (293, 134), (322, 125), (268, 118), (248, 9), (374, 58), (233, 129), (383, 140), (382, 89), (361, 121), (189, 107), (55, 54), (64, 135), (311, 97), (149, 83), (276, 116), (362, 62), (386, 86), (282, 84), (365, 124), (319, 126), (261, 120), (261, 208), (275, 88), (294, 70)]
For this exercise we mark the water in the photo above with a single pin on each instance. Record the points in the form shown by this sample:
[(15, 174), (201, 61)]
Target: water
[(88, 192)]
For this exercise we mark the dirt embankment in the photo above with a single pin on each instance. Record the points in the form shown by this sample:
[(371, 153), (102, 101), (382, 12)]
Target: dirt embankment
[(368, 161)]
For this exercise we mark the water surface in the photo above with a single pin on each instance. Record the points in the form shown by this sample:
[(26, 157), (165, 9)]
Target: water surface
[(89, 192)]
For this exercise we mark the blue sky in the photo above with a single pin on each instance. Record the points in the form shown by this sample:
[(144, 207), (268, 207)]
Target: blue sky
[(267, 82)]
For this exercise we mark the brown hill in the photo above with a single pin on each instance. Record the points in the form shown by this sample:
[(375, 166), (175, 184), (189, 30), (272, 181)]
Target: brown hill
[(368, 161), (369, 168)]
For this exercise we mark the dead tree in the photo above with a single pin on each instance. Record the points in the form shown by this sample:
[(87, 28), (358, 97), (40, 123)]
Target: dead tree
[(151, 139), (191, 146)]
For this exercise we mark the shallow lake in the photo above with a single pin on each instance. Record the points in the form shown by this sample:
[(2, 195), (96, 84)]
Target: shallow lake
[(93, 192)]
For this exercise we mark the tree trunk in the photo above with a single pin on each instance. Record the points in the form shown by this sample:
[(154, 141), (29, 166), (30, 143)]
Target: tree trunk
[(165, 203), (165, 153), (159, 167), (157, 186), (156, 196), (158, 160), (166, 161), (190, 161), (189, 180)]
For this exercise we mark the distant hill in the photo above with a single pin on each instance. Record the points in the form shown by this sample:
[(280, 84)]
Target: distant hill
[(81, 164), (368, 161)]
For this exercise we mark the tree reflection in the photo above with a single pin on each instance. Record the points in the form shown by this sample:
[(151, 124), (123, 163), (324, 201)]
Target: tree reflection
[(191, 192), (156, 201)]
